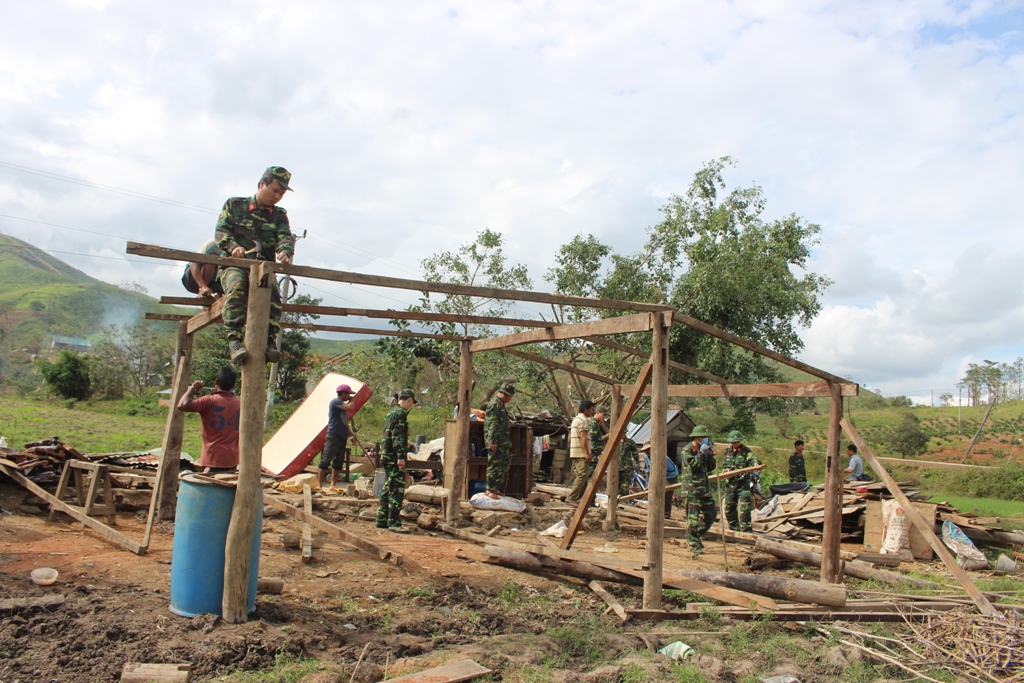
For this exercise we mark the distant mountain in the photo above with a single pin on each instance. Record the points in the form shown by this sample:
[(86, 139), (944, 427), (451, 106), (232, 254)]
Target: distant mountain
[(41, 296)]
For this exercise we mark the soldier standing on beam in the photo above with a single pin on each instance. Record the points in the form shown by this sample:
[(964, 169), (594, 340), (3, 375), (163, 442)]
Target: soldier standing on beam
[(254, 228), (393, 448), (498, 437)]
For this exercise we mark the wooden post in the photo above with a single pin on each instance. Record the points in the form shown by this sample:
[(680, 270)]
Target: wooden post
[(833, 492), (927, 530), (611, 521), (659, 450), (238, 547), (165, 488), (453, 510)]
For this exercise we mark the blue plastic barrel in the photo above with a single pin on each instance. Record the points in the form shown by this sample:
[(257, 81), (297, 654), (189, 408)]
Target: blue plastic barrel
[(200, 532)]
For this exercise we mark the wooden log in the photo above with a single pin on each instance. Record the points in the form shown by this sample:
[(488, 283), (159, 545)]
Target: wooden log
[(323, 525), (614, 436), (457, 485), (293, 541), (11, 604), (934, 463), (271, 585), (248, 491), (776, 587), (610, 600), (638, 322), (307, 530), (655, 547), (94, 524), (513, 559), (156, 673), (431, 495), (833, 522), (857, 569), (559, 366), (879, 558), (770, 390), (917, 520)]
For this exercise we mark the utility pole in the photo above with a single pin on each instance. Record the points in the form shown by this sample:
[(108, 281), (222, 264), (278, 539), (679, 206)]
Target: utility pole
[(933, 398), (959, 410)]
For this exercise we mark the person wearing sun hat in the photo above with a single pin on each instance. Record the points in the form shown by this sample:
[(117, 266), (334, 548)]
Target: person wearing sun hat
[(698, 463), (338, 412), (737, 489)]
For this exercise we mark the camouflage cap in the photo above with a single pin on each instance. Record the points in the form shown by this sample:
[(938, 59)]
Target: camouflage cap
[(406, 393), (508, 389), (280, 174)]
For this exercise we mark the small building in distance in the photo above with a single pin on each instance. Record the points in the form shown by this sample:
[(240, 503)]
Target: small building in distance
[(76, 344)]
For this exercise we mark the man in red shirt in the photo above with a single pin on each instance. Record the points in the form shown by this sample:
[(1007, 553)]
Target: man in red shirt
[(220, 413)]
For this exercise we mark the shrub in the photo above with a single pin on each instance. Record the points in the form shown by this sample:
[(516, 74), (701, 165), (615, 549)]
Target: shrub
[(68, 376), (907, 438)]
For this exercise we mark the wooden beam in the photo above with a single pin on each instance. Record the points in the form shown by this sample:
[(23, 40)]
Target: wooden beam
[(307, 530), (659, 449), (323, 525), (702, 326), (207, 317), (363, 330), (140, 249), (934, 463), (611, 520), (697, 372), (639, 322), (94, 524), (714, 477), (614, 604), (614, 436), (174, 430), (833, 523), (927, 530), (248, 490), (559, 366), (781, 389), (460, 456)]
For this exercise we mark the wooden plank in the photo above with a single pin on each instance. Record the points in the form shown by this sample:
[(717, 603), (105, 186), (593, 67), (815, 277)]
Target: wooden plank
[(94, 524), (364, 330), (307, 530), (696, 372), (210, 316), (323, 525), (559, 366), (610, 599), (559, 553), (174, 431), (661, 615), (702, 326), (614, 436), (781, 389), (915, 517), (806, 498), (934, 463), (639, 322), (833, 521), (156, 673), (463, 670), (10, 604), (140, 249), (248, 492), (713, 477)]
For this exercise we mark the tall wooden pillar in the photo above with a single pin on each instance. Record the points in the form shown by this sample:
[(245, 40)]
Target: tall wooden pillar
[(611, 521), (238, 548), (458, 469), (170, 452), (659, 450), (833, 491)]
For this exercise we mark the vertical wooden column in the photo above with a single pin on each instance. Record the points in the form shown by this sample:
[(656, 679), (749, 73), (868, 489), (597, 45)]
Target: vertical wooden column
[(833, 491), (238, 548), (659, 450), (458, 469), (170, 451), (611, 521)]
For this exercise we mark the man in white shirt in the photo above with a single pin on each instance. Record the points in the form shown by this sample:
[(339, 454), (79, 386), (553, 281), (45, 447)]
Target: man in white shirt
[(579, 450)]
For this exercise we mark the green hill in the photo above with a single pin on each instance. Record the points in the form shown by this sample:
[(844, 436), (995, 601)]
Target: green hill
[(41, 295)]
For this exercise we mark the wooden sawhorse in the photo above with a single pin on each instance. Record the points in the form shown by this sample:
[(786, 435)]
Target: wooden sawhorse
[(87, 503)]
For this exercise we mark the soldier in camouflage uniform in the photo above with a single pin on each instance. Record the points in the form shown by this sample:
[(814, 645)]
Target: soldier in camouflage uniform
[(498, 437), (628, 453), (698, 463), (737, 496), (254, 228), (392, 458), (797, 466)]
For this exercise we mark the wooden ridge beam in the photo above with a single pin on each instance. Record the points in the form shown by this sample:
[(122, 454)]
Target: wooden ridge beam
[(780, 389), (315, 327), (152, 251), (639, 322), (702, 326), (927, 530), (610, 444), (559, 366), (378, 313), (696, 372)]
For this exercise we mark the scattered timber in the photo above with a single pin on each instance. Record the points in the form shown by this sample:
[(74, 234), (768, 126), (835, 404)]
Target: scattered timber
[(614, 604), (11, 604), (431, 495), (559, 553), (463, 670), (323, 525), (156, 673), (777, 587), (855, 568)]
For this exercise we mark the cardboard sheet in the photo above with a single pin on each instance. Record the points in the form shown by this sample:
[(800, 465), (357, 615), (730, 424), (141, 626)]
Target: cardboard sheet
[(302, 436)]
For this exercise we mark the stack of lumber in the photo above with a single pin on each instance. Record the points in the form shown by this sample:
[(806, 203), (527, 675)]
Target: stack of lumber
[(41, 461)]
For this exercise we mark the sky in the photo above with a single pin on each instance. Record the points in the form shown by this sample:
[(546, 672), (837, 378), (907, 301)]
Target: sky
[(409, 127)]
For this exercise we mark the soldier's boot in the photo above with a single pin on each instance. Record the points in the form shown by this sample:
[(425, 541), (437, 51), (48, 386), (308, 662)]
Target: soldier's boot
[(237, 350), (273, 353)]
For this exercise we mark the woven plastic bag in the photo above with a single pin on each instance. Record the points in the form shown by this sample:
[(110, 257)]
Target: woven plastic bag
[(967, 554), (482, 501), (895, 531)]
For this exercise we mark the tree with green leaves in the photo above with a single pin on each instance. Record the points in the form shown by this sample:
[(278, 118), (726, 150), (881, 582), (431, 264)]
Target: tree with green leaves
[(715, 257), (906, 438), (129, 358), (68, 376), (295, 349)]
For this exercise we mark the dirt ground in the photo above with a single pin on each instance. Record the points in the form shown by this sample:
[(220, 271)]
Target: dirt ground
[(432, 608)]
